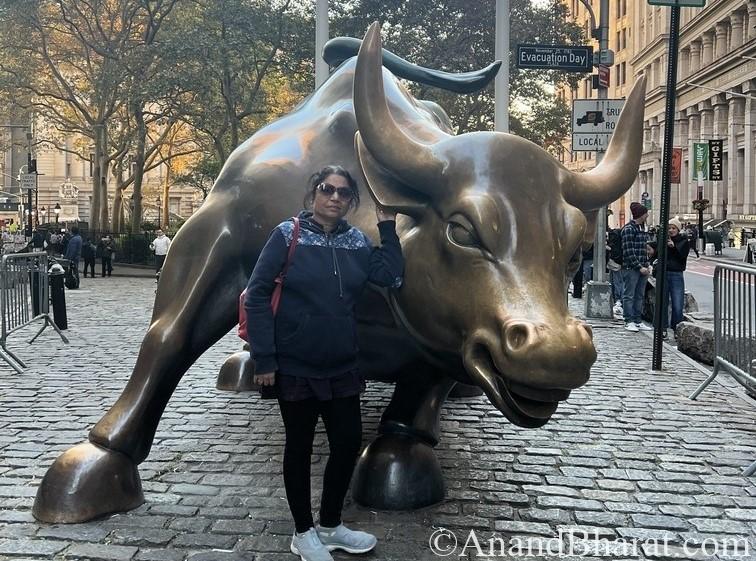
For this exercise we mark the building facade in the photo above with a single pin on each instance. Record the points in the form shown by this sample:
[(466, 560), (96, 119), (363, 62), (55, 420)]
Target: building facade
[(715, 101), (65, 180)]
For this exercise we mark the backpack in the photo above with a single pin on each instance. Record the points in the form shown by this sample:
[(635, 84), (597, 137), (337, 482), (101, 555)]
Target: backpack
[(279, 280)]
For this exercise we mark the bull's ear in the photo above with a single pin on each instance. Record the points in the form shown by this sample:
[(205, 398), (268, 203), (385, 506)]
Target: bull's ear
[(387, 190)]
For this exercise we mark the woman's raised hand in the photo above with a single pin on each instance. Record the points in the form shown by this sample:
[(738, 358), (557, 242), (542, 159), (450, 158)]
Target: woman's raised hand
[(382, 214)]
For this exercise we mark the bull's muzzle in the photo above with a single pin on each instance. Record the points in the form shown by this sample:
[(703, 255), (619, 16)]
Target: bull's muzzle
[(528, 368)]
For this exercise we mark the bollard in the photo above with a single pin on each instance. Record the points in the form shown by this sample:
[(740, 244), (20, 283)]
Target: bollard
[(34, 278), (58, 297)]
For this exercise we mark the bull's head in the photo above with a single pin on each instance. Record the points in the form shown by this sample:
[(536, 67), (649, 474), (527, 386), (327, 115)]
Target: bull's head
[(497, 226)]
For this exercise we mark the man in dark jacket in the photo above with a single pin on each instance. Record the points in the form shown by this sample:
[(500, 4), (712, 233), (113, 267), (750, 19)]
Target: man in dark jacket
[(73, 252), (635, 268)]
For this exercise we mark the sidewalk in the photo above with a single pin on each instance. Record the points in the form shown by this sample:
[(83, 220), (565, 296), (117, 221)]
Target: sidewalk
[(628, 457), (729, 255)]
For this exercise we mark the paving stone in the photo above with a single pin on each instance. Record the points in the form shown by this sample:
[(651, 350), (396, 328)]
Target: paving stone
[(238, 527), (160, 555), (748, 515), (601, 518), (551, 515), (659, 521), (569, 503), (513, 526), (690, 511), (719, 526), (142, 536), (32, 548), (100, 552), (75, 532)]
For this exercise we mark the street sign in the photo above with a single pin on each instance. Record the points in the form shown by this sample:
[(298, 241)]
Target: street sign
[(715, 160), (604, 75), (593, 121), (681, 3), (568, 58), (28, 180), (700, 161)]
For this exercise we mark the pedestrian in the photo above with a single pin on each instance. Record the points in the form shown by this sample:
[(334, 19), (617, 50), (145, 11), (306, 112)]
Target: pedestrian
[(88, 252), (635, 268), (587, 264), (308, 351), (614, 264), (678, 248), (73, 253), (160, 246), (106, 250)]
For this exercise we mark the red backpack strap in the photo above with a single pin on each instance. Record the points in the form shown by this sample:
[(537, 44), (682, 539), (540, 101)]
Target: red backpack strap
[(276, 297)]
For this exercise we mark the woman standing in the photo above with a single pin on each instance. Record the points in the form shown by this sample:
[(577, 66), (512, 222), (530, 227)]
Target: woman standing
[(678, 248), (308, 352)]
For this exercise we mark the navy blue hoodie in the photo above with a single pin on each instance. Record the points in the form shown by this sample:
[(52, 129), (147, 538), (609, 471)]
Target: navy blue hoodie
[(314, 333)]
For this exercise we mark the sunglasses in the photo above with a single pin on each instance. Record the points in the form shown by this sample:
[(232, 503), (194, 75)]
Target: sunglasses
[(345, 193)]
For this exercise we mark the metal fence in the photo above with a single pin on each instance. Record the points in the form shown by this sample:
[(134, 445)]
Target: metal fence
[(734, 328), (24, 298)]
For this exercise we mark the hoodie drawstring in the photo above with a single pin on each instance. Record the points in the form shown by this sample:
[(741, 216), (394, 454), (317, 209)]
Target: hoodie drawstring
[(336, 270)]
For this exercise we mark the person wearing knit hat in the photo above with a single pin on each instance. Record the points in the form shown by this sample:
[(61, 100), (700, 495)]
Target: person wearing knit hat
[(678, 248), (638, 210), (635, 268)]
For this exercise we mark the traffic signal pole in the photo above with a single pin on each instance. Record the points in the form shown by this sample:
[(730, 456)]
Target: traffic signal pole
[(598, 301)]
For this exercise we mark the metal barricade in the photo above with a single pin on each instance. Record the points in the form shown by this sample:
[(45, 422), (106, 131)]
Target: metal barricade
[(24, 298), (734, 328)]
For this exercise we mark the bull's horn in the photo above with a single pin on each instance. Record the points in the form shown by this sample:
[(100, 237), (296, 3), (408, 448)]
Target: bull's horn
[(412, 161), (615, 174)]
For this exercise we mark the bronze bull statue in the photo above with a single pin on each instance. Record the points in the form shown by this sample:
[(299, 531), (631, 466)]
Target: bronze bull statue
[(491, 228)]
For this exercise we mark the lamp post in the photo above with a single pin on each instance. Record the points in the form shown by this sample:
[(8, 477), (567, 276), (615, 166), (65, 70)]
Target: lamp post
[(57, 212)]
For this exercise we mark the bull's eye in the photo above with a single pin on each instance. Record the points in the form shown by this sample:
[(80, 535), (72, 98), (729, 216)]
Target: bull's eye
[(462, 235)]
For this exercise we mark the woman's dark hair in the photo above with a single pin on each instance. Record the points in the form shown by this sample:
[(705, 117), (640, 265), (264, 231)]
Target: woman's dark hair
[(318, 177)]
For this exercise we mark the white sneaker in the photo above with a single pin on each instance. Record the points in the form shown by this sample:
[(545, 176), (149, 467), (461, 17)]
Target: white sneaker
[(644, 327), (632, 327), (309, 547), (351, 541)]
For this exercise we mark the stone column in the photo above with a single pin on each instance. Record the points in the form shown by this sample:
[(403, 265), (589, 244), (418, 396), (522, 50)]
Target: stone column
[(684, 64), (695, 57), (751, 34), (734, 128), (736, 30), (694, 135), (707, 42), (707, 132), (721, 36), (719, 188), (749, 177)]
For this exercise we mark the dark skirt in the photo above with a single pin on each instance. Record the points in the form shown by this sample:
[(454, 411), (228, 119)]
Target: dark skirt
[(297, 388)]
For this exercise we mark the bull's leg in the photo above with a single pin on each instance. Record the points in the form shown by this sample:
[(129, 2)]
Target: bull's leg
[(399, 469), (195, 305)]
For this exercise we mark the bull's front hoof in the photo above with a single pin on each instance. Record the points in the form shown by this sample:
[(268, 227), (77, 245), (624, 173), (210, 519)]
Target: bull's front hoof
[(398, 472), (237, 373), (86, 482)]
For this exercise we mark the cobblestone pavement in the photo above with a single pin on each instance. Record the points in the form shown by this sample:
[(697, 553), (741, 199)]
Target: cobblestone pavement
[(628, 457)]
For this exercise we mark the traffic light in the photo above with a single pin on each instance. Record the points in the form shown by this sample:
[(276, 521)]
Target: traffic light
[(33, 165)]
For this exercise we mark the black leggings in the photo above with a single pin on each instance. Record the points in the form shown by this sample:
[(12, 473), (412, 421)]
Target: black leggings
[(343, 424)]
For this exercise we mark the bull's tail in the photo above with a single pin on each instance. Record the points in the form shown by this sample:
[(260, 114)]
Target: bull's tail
[(339, 49)]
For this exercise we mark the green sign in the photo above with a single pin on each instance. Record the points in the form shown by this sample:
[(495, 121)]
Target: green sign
[(700, 161), (681, 3)]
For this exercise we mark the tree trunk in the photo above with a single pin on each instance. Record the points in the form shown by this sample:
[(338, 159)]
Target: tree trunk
[(166, 193), (118, 200), (103, 179), (136, 216), (94, 212)]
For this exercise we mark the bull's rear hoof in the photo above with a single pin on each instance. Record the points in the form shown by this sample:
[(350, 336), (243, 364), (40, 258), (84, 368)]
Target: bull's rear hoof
[(464, 390), (398, 472), (237, 373), (86, 482)]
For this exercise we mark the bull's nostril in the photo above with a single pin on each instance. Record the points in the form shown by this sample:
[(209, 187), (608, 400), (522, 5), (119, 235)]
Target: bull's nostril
[(518, 336)]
